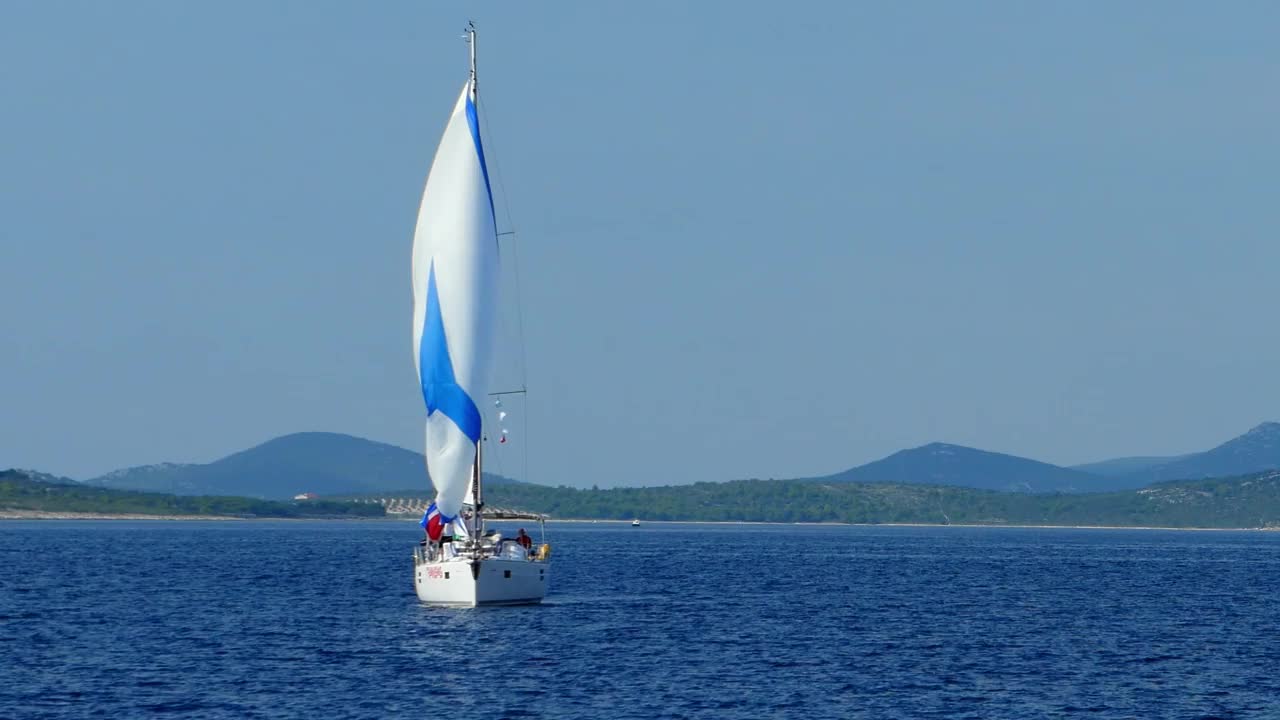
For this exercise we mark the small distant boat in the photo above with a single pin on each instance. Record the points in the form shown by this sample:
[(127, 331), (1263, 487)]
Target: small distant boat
[(455, 284), (635, 523)]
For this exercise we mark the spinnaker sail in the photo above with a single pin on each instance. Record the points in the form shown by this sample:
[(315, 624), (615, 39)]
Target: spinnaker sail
[(455, 288)]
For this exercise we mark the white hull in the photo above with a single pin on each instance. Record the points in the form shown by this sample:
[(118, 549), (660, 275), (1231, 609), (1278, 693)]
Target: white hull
[(499, 581)]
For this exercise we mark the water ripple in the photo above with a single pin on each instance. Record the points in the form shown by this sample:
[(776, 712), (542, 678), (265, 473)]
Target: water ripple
[(293, 620)]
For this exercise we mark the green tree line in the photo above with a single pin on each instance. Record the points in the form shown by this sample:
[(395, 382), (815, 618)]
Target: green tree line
[(1248, 501), (19, 491)]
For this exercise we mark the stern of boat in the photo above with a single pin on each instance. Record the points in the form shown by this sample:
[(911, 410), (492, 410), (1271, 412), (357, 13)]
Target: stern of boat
[(513, 577)]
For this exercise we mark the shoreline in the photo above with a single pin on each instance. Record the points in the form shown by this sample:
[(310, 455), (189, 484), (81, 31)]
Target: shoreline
[(67, 515), (923, 525), (60, 515)]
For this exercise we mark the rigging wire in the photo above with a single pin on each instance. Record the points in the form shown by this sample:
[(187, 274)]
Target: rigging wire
[(483, 113)]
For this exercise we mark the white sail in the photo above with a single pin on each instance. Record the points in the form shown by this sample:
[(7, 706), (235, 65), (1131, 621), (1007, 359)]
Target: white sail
[(455, 274)]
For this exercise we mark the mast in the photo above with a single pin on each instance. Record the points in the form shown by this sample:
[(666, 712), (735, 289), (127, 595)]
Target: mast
[(471, 41), (477, 517), (477, 501)]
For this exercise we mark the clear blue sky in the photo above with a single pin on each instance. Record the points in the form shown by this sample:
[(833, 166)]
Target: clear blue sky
[(757, 239)]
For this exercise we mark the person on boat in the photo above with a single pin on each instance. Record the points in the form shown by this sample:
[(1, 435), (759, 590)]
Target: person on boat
[(525, 541)]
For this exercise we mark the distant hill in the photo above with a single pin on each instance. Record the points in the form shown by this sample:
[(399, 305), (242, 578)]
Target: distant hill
[(318, 462), (1119, 467), (944, 464), (1258, 449), (1248, 501), (30, 491), (1254, 451)]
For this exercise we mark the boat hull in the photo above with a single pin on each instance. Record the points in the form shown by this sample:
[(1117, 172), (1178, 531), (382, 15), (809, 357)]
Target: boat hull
[(499, 581)]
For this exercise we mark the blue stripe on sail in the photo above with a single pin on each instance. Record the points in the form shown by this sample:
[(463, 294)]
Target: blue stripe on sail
[(473, 120), (440, 388)]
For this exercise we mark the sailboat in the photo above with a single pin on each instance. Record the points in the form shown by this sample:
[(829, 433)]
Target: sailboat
[(455, 291)]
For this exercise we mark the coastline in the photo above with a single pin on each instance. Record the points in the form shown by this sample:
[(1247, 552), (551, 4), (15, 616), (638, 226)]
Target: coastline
[(920, 525), (54, 515), (61, 515)]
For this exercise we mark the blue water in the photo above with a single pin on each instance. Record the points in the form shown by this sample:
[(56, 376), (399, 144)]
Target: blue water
[(318, 620)]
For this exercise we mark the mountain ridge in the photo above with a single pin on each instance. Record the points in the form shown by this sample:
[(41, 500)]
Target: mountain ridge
[(1121, 466), (1255, 450), (318, 462), (939, 463), (336, 464)]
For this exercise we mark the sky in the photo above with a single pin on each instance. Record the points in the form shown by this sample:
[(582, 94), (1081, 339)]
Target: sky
[(755, 239)]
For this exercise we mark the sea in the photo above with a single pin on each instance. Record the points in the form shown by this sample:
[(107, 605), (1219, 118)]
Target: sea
[(318, 619)]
